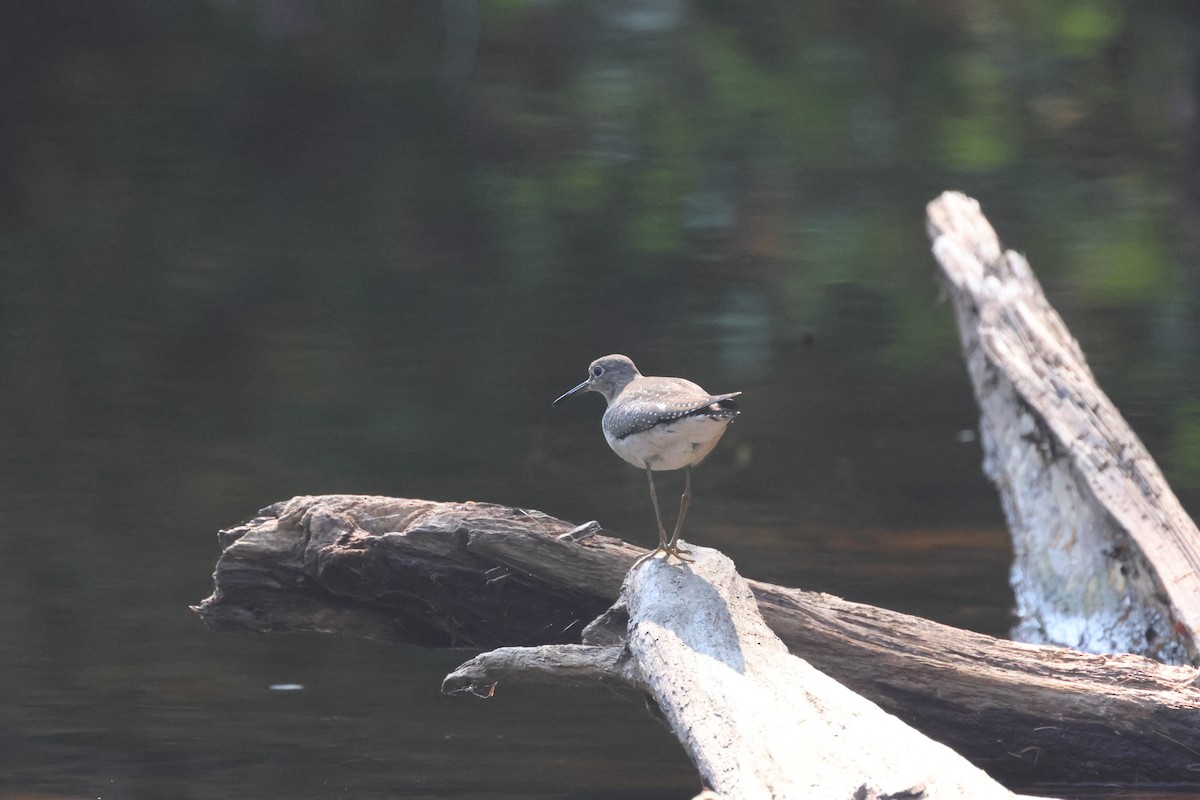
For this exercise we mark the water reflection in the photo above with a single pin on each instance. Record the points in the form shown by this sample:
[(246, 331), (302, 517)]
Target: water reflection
[(257, 251)]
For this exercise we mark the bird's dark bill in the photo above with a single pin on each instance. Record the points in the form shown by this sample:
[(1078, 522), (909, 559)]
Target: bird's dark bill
[(567, 394)]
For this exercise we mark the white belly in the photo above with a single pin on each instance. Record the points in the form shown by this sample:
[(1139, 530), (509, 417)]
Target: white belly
[(674, 445)]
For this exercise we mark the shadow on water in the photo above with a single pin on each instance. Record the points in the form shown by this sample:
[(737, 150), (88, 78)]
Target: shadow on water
[(265, 249)]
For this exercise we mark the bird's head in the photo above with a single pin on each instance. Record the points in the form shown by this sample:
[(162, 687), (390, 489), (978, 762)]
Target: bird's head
[(608, 376)]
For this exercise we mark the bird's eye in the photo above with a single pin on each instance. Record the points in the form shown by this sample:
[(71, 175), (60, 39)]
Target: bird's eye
[(597, 372)]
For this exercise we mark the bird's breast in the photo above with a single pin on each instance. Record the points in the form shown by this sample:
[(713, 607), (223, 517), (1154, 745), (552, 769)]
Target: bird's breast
[(669, 445)]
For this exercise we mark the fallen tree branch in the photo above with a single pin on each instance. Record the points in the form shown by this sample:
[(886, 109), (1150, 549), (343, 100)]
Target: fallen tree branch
[(757, 721), (544, 664), (481, 575), (1106, 559)]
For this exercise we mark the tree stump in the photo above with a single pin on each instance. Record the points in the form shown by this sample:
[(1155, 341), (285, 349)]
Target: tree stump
[(1106, 559)]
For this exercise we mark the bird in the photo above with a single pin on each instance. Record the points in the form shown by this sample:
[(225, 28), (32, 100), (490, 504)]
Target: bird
[(658, 424)]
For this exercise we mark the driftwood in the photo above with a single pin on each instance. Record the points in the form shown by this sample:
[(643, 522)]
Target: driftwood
[(1106, 558), (479, 575), (757, 721)]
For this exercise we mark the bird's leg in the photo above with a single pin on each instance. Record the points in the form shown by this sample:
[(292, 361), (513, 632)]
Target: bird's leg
[(684, 501), (662, 532)]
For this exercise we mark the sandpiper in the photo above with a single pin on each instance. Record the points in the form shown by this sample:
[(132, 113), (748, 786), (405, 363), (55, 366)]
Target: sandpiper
[(658, 424)]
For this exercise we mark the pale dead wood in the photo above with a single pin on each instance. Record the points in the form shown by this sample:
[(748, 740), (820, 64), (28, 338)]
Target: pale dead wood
[(757, 721), (1106, 558), (481, 575), (568, 664)]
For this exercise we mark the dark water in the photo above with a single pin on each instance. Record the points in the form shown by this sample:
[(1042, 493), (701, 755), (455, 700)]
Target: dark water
[(272, 248)]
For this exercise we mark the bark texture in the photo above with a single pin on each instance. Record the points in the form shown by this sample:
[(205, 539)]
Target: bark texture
[(484, 576), (1106, 560), (757, 721)]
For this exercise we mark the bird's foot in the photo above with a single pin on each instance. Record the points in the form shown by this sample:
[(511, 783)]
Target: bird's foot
[(666, 551), (672, 548), (678, 552), (647, 557)]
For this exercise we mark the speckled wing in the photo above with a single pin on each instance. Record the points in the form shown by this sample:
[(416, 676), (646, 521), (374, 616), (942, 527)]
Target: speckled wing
[(658, 401)]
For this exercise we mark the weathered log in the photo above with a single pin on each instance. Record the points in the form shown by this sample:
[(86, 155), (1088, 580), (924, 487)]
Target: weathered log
[(1078, 487), (484, 576), (1106, 559), (757, 721)]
